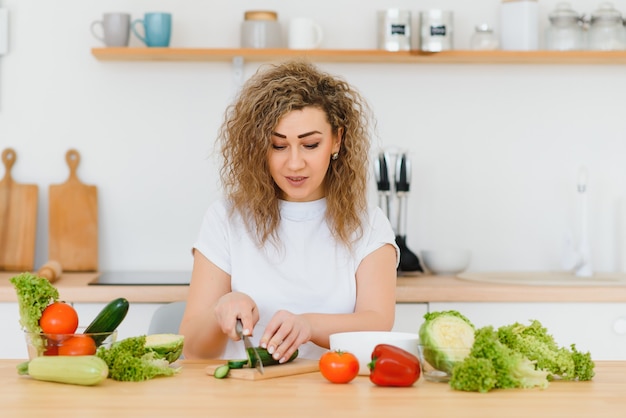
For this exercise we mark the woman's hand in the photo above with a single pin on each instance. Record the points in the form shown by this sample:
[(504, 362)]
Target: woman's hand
[(284, 334), (235, 305)]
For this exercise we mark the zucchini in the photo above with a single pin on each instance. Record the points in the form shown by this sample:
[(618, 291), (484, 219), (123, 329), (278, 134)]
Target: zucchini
[(109, 318), (73, 370), (266, 358)]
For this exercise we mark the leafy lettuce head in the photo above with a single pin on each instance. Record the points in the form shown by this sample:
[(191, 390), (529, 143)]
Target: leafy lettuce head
[(34, 294)]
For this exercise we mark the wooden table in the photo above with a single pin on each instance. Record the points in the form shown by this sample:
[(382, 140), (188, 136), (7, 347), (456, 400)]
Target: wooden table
[(192, 393)]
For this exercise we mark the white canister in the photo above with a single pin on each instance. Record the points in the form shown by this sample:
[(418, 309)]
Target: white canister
[(519, 25), (261, 29), (394, 30), (436, 30)]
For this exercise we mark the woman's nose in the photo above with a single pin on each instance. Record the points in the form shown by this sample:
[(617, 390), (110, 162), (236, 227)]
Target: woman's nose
[(295, 160)]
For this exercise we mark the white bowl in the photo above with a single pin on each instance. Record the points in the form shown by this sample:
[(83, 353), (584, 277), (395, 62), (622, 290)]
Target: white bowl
[(362, 343), (446, 261)]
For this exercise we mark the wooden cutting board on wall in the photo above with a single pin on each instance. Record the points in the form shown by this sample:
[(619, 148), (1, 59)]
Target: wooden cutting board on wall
[(73, 221), (18, 219)]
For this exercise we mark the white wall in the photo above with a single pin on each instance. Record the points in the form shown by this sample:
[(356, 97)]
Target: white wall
[(495, 148)]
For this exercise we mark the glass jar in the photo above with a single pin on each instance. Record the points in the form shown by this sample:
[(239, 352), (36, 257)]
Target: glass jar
[(606, 29), (565, 32), (483, 39), (261, 29)]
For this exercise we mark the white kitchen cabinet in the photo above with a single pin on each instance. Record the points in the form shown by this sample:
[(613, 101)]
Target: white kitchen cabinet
[(14, 345), (409, 316), (136, 322), (13, 341), (599, 328)]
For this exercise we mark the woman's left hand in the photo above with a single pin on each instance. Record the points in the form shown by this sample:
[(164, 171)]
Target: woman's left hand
[(284, 334)]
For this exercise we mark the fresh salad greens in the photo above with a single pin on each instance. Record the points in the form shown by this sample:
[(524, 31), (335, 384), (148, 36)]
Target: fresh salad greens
[(491, 364), (131, 361), (34, 294), (534, 342), (511, 356)]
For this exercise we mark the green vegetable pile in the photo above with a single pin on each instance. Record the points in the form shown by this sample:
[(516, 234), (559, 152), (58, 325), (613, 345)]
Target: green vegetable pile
[(512, 356), (34, 294), (133, 360)]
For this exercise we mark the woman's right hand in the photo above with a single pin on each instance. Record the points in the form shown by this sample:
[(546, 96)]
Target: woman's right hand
[(232, 306)]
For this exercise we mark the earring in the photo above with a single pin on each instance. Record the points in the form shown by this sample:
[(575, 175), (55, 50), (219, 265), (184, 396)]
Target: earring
[(335, 156)]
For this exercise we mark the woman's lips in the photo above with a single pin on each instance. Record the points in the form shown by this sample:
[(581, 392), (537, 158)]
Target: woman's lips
[(296, 180)]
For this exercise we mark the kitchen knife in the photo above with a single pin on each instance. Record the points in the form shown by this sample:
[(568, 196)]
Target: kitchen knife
[(248, 345), (382, 183), (409, 262)]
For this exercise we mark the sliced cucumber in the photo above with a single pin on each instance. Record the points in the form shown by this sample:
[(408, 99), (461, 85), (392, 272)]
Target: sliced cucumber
[(238, 364), (266, 357), (222, 371)]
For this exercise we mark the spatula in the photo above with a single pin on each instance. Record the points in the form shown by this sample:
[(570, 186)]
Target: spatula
[(18, 219)]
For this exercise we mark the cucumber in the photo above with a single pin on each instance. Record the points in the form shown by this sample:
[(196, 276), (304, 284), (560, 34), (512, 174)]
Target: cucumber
[(222, 371), (74, 370), (109, 318), (237, 364), (266, 358)]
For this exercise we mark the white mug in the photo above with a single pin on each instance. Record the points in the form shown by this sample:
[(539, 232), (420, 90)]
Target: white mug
[(114, 29), (304, 33)]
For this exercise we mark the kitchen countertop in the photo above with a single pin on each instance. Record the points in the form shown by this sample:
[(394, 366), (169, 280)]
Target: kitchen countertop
[(75, 287), (193, 393)]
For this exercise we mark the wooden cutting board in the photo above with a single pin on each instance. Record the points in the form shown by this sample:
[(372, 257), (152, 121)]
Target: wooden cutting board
[(18, 219), (298, 366), (73, 221)]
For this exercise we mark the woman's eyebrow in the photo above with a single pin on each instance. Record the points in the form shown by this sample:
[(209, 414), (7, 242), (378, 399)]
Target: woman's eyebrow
[(304, 135), (309, 134)]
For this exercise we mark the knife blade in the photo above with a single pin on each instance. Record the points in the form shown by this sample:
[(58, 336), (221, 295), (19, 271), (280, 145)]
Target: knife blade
[(248, 345)]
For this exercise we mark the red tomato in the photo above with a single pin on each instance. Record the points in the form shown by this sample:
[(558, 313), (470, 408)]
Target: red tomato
[(59, 318), (339, 366), (51, 348), (78, 345)]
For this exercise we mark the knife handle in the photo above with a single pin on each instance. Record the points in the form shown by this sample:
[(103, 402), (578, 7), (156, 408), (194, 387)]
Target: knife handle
[(239, 328), (382, 175), (403, 173)]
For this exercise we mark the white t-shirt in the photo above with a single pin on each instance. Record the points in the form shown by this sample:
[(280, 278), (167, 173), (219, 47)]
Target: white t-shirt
[(309, 271)]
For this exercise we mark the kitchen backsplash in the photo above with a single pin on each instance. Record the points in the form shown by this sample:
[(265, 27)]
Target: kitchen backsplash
[(495, 149)]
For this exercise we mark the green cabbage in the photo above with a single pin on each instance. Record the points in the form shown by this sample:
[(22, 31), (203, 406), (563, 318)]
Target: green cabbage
[(446, 338)]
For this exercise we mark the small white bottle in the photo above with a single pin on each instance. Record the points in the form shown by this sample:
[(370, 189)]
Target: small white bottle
[(519, 25)]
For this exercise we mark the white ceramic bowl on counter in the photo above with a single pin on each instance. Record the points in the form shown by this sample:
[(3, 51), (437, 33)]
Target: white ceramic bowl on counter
[(446, 261), (362, 343)]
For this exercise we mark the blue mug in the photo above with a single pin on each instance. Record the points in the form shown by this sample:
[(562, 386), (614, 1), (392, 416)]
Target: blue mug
[(157, 28)]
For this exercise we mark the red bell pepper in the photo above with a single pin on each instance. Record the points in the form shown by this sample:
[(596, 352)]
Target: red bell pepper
[(393, 366)]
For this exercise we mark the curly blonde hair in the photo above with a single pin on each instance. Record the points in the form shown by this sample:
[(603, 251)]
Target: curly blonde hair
[(245, 138)]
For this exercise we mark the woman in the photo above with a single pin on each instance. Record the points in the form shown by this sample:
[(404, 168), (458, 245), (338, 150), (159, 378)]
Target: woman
[(293, 250)]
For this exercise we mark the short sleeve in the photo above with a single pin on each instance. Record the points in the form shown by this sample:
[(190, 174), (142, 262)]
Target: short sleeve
[(214, 237)]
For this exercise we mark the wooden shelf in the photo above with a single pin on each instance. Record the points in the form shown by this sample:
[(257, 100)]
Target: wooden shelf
[(362, 56)]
